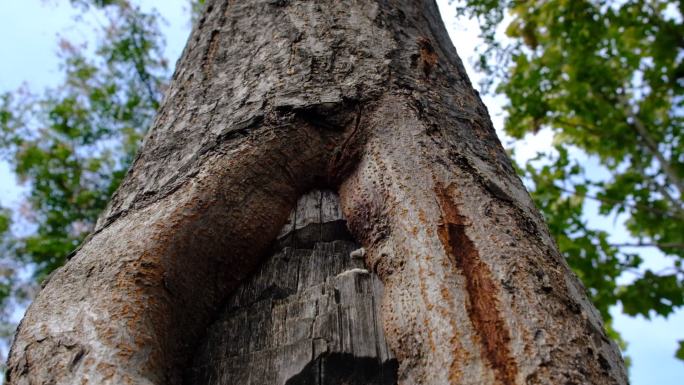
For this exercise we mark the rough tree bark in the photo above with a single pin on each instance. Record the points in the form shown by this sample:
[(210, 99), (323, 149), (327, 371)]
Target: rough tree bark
[(273, 98)]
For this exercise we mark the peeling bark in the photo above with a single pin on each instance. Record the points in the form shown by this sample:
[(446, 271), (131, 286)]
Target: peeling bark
[(270, 100)]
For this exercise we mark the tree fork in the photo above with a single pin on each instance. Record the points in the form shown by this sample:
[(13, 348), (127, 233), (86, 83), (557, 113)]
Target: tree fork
[(269, 100)]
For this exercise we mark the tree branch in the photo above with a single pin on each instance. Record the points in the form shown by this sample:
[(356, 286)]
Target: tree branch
[(652, 146), (139, 64), (675, 203), (635, 206), (665, 245)]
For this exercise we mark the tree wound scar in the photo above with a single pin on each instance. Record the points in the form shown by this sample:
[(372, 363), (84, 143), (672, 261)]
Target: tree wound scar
[(428, 56), (482, 304)]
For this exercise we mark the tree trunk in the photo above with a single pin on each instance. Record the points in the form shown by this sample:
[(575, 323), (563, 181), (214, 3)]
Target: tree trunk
[(274, 98)]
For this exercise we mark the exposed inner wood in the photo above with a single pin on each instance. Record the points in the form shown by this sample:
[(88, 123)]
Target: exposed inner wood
[(309, 315)]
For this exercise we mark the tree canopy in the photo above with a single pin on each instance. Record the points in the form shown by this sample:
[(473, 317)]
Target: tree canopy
[(605, 76)]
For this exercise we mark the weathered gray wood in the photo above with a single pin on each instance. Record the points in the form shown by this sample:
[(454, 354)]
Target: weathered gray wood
[(307, 316), (270, 100)]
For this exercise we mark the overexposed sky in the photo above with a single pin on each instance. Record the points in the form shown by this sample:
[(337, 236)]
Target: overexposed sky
[(30, 30)]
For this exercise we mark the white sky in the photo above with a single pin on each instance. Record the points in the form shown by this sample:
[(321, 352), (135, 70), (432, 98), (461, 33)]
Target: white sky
[(29, 31)]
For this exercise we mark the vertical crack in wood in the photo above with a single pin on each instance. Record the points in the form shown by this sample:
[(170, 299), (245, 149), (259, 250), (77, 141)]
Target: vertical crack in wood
[(212, 48), (483, 303)]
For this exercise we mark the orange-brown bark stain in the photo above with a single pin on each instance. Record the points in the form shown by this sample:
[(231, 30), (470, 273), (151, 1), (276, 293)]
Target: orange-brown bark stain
[(141, 281), (428, 56), (208, 59), (483, 303), (428, 305), (423, 221), (459, 354), (106, 370)]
